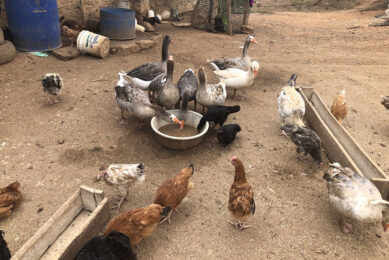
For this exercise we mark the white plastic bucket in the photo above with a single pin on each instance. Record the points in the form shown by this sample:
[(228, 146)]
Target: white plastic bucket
[(94, 44)]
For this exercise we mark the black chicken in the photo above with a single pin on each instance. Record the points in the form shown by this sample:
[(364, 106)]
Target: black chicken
[(52, 85), (115, 246), (217, 114), (5, 254), (227, 133), (306, 140)]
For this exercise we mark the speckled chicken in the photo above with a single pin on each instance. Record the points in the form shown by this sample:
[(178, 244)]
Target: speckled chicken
[(122, 176), (339, 106), (173, 191), (385, 102), (241, 203), (121, 97), (138, 223), (52, 85), (355, 197), (307, 141), (10, 198), (291, 105)]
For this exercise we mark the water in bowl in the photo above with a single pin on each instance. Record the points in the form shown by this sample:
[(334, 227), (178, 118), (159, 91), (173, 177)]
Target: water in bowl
[(174, 130)]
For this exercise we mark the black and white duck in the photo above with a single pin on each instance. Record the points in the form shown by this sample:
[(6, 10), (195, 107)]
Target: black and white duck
[(142, 75), (242, 63)]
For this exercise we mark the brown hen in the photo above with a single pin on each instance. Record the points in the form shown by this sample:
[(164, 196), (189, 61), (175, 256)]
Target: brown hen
[(138, 223), (173, 191), (339, 106), (241, 203), (10, 197)]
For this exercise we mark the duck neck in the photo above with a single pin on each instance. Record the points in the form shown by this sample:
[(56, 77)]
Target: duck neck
[(202, 80), (245, 49), (165, 49), (170, 68)]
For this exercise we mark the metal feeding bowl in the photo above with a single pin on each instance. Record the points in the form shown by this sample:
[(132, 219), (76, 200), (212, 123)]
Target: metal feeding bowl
[(179, 143)]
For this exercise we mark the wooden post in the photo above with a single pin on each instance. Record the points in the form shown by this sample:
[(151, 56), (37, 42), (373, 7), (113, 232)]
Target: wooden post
[(228, 2), (210, 12), (246, 13)]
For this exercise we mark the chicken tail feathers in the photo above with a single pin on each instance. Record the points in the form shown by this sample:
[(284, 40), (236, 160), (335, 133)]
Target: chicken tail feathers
[(292, 80), (234, 109)]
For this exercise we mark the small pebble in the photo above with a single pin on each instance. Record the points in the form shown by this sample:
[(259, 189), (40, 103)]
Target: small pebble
[(378, 235), (30, 166), (383, 145), (40, 210), (61, 141)]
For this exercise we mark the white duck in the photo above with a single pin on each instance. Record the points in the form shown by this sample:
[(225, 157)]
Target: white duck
[(142, 75), (354, 196), (237, 78), (210, 94)]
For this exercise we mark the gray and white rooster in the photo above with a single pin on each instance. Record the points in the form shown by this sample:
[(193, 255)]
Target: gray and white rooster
[(52, 85), (122, 176)]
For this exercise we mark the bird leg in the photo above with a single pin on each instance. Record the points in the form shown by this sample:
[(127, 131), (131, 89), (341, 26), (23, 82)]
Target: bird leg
[(203, 110), (239, 225), (122, 119), (118, 204), (233, 96), (177, 211), (283, 133), (195, 102), (167, 218), (345, 226)]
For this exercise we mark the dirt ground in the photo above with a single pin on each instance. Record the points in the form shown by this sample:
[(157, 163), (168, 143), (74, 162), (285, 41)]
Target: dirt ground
[(329, 51)]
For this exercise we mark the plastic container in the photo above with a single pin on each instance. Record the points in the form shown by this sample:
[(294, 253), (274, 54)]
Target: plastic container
[(34, 25), (94, 44), (117, 23), (179, 143)]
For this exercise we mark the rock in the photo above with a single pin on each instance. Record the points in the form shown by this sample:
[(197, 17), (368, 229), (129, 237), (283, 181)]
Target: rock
[(247, 29), (30, 166), (61, 141), (181, 24), (148, 27), (165, 14), (146, 44), (140, 6), (40, 210), (383, 145), (66, 53), (113, 50), (126, 47)]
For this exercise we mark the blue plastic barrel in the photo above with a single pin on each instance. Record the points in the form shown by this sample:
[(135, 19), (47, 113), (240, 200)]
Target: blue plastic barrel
[(117, 23), (34, 24)]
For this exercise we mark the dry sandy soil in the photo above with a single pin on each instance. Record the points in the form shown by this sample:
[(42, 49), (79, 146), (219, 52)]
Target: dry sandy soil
[(293, 217)]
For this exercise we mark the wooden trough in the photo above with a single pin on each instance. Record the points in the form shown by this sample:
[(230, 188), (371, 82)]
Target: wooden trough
[(339, 144), (67, 231)]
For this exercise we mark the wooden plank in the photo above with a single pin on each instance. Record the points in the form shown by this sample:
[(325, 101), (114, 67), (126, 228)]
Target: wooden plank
[(95, 224), (80, 231), (88, 198), (334, 149), (228, 3), (35, 247)]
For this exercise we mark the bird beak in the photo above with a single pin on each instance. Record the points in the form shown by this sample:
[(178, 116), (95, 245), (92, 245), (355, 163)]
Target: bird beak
[(176, 121), (255, 73), (253, 41)]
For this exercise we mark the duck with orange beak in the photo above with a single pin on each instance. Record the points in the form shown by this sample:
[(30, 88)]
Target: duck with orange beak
[(237, 78)]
